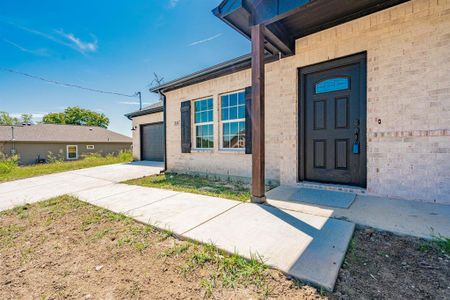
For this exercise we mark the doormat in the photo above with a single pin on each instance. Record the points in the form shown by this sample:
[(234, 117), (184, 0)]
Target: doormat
[(324, 197)]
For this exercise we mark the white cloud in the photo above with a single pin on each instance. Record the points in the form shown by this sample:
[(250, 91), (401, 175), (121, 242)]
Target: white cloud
[(205, 40), (39, 52), (78, 43), (132, 103), (68, 39)]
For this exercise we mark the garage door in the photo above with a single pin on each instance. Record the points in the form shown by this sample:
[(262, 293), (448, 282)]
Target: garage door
[(152, 142)]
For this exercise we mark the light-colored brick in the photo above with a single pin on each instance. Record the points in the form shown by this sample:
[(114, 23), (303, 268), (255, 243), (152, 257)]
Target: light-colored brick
[(408, 88)]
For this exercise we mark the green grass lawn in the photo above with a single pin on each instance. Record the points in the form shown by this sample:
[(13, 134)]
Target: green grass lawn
[(197, 184), (21, 172)]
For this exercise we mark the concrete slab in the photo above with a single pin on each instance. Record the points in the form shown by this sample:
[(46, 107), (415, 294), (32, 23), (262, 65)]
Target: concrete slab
[(121, 172), (310, 248), (44, 191), (323, 197), (94, 194), (38, 188), (135, 199), (182, 211), (402, 217)]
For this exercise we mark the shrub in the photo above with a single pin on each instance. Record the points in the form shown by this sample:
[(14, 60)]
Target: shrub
[(125, 155), (55, 158), (92, 156), (8, 163)]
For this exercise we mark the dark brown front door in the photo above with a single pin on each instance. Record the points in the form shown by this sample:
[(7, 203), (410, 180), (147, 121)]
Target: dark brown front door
[(334, 122)]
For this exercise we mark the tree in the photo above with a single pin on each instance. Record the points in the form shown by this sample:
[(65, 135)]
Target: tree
[(27, 118), (7, 119), (77, 116), (54, 118)]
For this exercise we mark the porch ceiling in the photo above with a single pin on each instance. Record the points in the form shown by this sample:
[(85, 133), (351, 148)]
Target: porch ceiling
[(288, 20)]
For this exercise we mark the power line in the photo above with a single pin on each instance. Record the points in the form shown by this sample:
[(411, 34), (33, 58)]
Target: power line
[(67, 84)]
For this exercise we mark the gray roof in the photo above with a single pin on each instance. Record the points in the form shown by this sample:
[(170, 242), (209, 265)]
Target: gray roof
[(61, 133), (153, 108), (228, 67)]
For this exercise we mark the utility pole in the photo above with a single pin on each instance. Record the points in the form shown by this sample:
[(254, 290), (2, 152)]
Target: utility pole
[(140, 100)]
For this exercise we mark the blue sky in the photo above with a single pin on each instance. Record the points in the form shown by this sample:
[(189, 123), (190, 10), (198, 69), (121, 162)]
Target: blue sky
[(107, 45)]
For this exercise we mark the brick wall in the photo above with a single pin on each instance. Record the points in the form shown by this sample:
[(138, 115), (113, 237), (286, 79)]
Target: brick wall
[(141, 120), (408, 89)]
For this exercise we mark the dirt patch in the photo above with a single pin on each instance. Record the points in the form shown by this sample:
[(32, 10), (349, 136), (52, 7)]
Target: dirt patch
[(381, 265), (64, 248)]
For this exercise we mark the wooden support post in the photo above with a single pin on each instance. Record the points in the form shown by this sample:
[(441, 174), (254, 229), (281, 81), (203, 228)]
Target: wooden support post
[(258, 147)]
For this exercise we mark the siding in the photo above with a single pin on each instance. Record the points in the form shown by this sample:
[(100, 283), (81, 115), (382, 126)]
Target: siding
[(29, 151), (408, 89), (136, 122)]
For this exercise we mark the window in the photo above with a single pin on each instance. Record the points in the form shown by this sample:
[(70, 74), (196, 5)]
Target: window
[(204, 127), (72, 152), (332, 85), (90, 147), (233, 120)]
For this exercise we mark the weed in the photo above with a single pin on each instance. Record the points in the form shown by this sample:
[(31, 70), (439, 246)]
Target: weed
[(21, 211), (9, 233), (208, 284), (100, 233), (8, 163), (139, 245), (442, 243), (25, 253), (231, 270), (424, 246), (166, 233), (174, 251), (196, 184)]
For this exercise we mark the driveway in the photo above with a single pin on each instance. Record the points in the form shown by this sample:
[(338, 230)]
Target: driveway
[(34, 189)]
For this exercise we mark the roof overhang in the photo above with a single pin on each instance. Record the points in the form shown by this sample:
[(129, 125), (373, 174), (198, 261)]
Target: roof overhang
[(225, 68), (144, 112), (288, 20)]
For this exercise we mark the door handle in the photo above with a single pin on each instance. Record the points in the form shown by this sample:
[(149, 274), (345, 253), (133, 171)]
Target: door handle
[(355, 148)]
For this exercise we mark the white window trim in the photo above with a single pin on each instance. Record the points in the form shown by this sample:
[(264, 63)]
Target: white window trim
[(194, 135), (221, 122), (67, 152), (90, 147)]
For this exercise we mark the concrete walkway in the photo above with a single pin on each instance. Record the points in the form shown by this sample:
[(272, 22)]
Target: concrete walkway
[(38, 188), (308, 247), (305, 246), (398, 216)]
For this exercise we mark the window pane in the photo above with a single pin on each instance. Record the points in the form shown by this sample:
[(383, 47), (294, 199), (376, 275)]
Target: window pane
[(225, 114), (226, 129), (225, 101), (233, 99), (241, 96), (209, 104), (234, 129), (241, 127), (241, 112), (226, 142), (233, 113), (332, 84), (203, 105), (209, 116), (210, 130)]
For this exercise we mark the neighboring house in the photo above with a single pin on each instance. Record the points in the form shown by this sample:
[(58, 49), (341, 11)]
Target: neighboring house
[(69, 142), (353, 93), (148, 133)]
